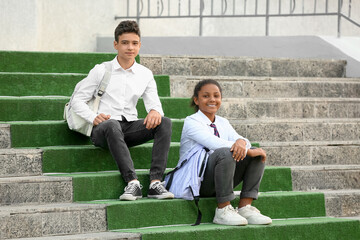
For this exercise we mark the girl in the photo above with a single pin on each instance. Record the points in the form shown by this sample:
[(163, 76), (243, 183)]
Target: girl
[(231, 158)]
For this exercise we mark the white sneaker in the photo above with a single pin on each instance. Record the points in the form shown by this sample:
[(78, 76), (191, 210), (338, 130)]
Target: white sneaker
[(228, 216), (253, 215)]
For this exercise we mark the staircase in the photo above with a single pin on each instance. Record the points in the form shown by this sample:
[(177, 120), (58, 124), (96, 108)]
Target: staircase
[(55, 185)]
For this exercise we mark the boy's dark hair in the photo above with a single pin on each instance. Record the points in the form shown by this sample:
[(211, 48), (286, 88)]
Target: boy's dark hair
[(197, 89), (127, 26)]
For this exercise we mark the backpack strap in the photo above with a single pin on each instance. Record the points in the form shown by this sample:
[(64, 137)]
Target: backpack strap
[(199, 216), (171, 173), (101, 89)]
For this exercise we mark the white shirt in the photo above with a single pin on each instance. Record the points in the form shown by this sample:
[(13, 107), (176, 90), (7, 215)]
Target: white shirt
[(121, 95), (197, 130)]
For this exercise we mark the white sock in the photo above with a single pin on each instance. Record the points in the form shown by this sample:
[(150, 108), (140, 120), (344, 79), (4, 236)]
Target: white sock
[(134, 181)]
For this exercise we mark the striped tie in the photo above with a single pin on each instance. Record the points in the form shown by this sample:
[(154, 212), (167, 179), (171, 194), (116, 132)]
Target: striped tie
[(216, 133)]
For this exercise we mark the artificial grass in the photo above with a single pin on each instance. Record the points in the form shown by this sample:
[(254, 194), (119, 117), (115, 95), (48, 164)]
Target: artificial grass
[(55, 133), (52, 62), (52, 108), (92, 159), (130, 214), (108, 185), (48, 84), (323, 228)]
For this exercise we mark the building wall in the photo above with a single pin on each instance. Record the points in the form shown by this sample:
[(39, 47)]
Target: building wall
[(74, 25)]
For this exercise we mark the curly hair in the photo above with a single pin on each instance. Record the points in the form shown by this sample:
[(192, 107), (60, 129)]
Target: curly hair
[(127, 26)]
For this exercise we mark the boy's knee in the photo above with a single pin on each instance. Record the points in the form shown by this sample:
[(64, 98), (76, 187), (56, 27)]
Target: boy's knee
[(110, 125), (166, 122)]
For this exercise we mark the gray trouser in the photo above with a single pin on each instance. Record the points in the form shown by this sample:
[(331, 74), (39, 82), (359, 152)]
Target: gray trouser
[(118, 136), (223, 173)]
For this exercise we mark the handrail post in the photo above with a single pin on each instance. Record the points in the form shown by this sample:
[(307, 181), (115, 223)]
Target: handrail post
[(138, 12), (267, 19), (201, 17), (339, 19)]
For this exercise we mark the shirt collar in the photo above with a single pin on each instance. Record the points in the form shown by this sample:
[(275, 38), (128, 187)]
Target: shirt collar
[(205, 119), (117, 66)]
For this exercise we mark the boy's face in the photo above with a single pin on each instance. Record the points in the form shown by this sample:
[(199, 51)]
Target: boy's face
[(127, 46)]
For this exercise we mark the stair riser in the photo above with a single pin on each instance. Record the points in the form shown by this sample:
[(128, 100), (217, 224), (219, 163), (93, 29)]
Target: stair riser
[(16, 163), (253, 88), (35, 192), (223, 66), (5, 139), (52, 222), (168, 212), (342, 205), (312, 155), (47, 109), (305, 180), (300, 131)]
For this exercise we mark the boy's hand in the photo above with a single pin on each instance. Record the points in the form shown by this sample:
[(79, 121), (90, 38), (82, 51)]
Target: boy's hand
[(239, 150), (152, 120), (100, 118)]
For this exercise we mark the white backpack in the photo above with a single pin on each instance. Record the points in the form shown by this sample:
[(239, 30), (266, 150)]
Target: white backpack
[(74, 121)]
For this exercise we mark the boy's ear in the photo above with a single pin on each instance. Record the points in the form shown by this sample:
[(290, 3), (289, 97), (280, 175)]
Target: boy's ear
[(115, 44)]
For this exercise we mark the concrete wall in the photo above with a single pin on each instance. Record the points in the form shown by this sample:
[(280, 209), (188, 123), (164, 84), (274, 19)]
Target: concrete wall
[(74, 25)]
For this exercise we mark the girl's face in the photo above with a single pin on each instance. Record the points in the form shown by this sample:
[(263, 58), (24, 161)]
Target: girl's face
[(209, 100)]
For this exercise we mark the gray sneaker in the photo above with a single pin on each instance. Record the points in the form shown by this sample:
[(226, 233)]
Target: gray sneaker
[(132, 192), (158, 191)]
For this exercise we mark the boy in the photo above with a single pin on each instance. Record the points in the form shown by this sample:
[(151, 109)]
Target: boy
[(116, 125)]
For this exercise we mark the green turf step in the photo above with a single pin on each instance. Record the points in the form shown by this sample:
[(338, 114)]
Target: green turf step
[(52, 62), (56, 133), (48, 84), (52, 108), (125, 214), (87, 158), (323, 228), (109, 185)]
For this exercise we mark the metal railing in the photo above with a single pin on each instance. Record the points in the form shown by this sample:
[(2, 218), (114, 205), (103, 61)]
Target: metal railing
[(201, 9)]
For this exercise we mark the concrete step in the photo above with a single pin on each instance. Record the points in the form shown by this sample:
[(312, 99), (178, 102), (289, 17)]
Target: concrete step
[(301, 228), (298, 130), (110, 185), (56, 133), (35, 108), (312, 153), (238, 66), (268, 87), (51, 219), (120, 214), (325, 177), (51, 108), (20, 162), (5, 140), (55, 84), (35, 190), (51, 62), (285, 108), (342, 203), (92, 236)]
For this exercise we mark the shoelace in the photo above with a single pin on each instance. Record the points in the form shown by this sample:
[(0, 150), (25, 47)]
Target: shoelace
[(251, 208), (229, 208), (160, 187), (131, 187)]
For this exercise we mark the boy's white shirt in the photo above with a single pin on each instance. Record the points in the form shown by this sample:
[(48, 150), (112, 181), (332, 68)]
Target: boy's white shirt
[(197, 130), (122, 93)]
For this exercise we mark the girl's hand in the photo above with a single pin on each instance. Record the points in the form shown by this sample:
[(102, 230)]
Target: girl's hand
[(239, 150), (257, 152)]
